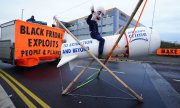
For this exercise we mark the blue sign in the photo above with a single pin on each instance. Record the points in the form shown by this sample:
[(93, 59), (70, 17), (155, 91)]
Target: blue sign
[(138, 35), (74, 50), (77, 44)]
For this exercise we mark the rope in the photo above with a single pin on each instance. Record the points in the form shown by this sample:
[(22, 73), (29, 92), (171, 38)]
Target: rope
[(90, 79), (107, 97), (152, 25), (87, 81), (62, 88), (153, 15), (143, 82), (149, 46), (117, 88), (127, 44), (82, 85), (134, 32), (93, 96), (137, 22)]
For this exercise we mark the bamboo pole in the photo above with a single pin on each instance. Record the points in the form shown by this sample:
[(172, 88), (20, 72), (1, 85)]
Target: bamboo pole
[(120, 29), (139, 98), (76, 78), (120, 36), (82, 71), (65, 92)]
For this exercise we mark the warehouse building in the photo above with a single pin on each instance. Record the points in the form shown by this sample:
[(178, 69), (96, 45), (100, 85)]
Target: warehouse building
[(110, 23)]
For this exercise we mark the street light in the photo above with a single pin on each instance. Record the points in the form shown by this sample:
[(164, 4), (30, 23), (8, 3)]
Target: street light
[(22, 14)]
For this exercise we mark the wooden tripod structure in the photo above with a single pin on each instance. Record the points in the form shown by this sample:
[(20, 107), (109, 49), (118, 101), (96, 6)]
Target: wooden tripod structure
[(65, 92)]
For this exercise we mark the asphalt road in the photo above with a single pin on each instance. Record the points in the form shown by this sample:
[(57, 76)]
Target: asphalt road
[(168, 67), (47, 83)]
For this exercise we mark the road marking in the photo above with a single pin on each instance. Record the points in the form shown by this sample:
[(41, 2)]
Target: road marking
[(41, 102), (21, 95), (103, 69), (176, 80)]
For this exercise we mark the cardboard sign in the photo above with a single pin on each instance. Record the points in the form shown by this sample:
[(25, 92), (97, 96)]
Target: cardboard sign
[(168, 51), (37, 41)]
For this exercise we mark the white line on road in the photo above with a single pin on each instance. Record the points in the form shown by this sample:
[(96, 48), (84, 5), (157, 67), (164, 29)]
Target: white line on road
[(103, 69)]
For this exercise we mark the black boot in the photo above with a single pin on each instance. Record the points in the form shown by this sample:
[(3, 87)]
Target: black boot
[(100, 56)]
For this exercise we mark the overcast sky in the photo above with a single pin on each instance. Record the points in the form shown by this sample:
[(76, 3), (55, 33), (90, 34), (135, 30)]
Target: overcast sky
[(166, 20)]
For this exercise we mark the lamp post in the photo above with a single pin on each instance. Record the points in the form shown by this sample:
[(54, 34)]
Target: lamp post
[(22, 14)]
